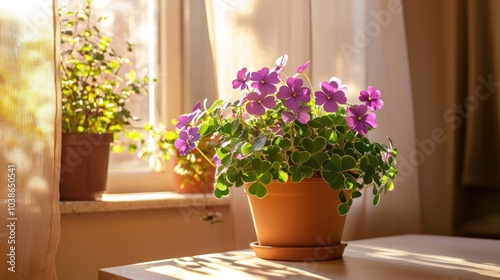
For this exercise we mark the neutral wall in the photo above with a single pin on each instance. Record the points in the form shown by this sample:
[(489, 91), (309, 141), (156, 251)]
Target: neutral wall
[(97, 240)]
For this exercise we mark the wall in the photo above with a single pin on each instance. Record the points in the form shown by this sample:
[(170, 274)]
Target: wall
[(97, 240)]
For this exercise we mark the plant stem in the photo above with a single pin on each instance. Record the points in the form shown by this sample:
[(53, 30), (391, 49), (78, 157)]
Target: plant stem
[(205, 156), (309, 81)]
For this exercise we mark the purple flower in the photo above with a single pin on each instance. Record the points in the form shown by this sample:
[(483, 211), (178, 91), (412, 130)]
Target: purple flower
[(243, 98), (185, 120), (264, 81), (280, 63), (241, 79), (300, 114), (371, 98), (259, 102), (217, 161), (331, 96), (302, 68), (340, 86), (240, 157), (186, 140), (277, 128), (197, 108), (359, 119), (294, 93)]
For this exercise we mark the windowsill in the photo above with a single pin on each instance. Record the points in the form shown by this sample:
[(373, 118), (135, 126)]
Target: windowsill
[(140, 201)]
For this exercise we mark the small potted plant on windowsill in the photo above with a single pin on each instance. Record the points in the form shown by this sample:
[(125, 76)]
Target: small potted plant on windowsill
[(96, 85), (194, 173), (302, 155)]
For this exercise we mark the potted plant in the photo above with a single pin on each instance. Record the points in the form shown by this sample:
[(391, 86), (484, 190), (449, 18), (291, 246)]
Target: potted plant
[(96, 85), (301, 153), (194, 172)]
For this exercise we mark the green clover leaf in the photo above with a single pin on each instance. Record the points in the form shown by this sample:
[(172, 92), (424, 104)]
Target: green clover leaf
[(261, 166), (257, 189)]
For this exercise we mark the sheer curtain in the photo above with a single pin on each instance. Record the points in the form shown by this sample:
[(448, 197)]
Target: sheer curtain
[(363, 43), (29, 139)]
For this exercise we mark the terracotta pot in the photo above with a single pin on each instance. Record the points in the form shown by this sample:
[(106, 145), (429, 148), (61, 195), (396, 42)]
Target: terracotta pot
[(187, 184), (184, 185), (84, 166), (298, 221)]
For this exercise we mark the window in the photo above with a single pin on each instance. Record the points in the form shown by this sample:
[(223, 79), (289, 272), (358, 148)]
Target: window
[(154, 23), (146, 24), (134, 21)]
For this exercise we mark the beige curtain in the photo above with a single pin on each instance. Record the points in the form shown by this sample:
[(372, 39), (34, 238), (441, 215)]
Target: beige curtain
[(363, 43), (480, 97), (29, 137), (434, 59), (455, 77)]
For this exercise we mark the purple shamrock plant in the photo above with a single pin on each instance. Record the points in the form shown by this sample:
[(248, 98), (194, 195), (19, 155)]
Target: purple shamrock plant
[(281, 129)]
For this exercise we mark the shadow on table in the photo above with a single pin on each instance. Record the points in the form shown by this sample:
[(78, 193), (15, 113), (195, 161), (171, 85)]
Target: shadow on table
[(425, 259), (405, 257), (241, 265)]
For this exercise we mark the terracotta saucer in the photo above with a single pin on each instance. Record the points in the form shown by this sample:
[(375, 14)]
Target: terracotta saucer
[(317, 253)]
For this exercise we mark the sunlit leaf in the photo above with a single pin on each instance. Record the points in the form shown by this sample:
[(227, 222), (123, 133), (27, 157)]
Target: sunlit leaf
[(246, 149), (257, 189)]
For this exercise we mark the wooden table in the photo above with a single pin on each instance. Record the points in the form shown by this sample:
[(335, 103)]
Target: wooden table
[(396, 257)]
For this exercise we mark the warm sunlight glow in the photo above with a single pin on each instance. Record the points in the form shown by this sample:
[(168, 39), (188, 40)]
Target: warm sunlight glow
[(140, 196), (28, 153), (428, 260), (241, 266)]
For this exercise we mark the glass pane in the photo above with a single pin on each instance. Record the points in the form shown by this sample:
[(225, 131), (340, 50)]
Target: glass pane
[(133, 21)]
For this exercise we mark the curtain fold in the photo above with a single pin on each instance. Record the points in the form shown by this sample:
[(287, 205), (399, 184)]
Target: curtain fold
[(30, 139), (480, 107), (436, 69), (363, 43), (454, 67)]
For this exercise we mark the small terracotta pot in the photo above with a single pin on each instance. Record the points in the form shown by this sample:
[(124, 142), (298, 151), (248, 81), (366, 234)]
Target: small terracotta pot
[(298, 217), (84, 166), (184, 185)]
